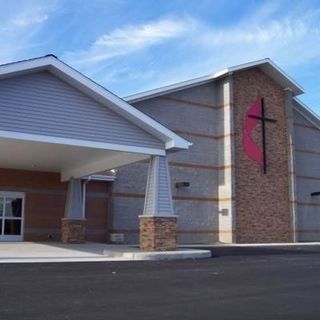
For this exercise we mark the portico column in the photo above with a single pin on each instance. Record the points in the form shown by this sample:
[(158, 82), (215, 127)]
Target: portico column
[(158, 224), (73, 224)]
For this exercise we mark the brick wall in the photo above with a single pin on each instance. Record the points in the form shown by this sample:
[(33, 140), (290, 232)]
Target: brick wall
[(262, 201), (45, 201), (158, 233), (193, 113)]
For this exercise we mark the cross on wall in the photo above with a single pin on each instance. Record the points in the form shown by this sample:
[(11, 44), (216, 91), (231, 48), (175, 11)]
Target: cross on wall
[(263, 120)]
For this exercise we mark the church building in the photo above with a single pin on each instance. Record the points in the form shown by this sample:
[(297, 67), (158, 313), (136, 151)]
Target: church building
[(232, 157)]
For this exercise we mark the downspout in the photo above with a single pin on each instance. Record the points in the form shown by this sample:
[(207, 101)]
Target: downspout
[(84, 189), (84, 185)]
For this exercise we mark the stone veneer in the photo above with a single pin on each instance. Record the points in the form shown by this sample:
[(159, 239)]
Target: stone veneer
[(262, 200), (73, 231), (158, 233)]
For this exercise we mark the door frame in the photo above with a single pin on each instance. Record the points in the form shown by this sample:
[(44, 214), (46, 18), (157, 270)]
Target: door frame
[(13, 238)]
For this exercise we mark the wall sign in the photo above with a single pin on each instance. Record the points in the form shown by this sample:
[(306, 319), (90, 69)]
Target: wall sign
[(255, 114)]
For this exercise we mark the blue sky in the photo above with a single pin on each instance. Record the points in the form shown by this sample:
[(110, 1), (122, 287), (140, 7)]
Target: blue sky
[(135, 45)]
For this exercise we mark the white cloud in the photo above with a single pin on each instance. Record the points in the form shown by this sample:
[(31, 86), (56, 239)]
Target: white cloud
[(273, 32), (131, 38), (20, 27), (182, 47), (291, 41), (29, 17), (26, 20)]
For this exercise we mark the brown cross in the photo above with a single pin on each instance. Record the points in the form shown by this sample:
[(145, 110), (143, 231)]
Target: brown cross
[(263, 120)]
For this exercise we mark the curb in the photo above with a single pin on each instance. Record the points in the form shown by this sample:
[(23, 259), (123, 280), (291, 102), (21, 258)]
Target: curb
[(118, 256), (167, 255)]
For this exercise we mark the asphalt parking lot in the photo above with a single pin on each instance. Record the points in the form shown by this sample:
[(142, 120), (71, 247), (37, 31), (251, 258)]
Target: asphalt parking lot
[(237, 283)]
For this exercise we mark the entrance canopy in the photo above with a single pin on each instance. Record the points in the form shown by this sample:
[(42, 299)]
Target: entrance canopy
[(69, 160), (53, 118)]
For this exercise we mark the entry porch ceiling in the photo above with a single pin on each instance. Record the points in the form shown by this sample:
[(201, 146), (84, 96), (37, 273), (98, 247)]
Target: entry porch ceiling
[(70, 161)]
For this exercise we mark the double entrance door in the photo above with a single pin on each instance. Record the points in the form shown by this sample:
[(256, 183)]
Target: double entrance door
[(11, 216)]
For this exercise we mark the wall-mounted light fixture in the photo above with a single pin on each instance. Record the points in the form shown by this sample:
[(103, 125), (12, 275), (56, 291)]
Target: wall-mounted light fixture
[(182, 184)]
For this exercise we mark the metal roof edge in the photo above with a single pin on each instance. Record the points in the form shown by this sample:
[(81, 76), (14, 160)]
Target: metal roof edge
[(205, 79)]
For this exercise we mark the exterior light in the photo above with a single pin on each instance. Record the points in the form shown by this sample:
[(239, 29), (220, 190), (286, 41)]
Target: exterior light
[(182, 184)]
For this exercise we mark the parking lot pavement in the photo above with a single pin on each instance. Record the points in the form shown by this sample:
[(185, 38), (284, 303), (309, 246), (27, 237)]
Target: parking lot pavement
[(237, 283)]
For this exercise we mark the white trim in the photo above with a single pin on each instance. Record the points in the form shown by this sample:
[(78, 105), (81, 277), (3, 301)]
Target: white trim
[(147, 184), (169, 184), (153, 193), (84, 198), (295, 87), (156, 182), (305, 109), (98, 92), (12, 194), (96, 177), (158, 216), (80, 143), (99, 177), (168, 89), (9, 238), (103, 164)]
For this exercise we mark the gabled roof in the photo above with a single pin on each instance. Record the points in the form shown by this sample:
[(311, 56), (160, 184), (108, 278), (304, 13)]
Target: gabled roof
[(266, 65), (306, 112), (97, 92)]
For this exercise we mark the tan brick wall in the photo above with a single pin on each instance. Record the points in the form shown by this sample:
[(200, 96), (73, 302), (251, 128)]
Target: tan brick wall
[(45, 202), (158, 233), (73, 231), (262, 201)]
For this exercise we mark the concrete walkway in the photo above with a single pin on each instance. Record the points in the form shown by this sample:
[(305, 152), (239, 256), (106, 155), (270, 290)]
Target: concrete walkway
[(17, 252)]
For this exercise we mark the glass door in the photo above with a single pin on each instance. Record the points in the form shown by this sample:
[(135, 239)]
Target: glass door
[(11, 216)]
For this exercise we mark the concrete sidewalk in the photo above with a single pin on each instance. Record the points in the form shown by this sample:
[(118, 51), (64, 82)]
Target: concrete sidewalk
[(18, 252)]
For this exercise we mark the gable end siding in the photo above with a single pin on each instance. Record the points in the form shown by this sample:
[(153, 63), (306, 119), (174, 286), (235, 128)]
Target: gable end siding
[(42, 104), (307, 172)]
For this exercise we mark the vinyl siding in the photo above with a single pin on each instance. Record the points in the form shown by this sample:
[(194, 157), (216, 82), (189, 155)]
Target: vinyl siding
[(307, 156), (158, 194), (164, 191), (150, 201), (197, 206), (40, 103)]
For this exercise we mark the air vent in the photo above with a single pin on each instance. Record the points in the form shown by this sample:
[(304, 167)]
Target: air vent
[(117, 237)]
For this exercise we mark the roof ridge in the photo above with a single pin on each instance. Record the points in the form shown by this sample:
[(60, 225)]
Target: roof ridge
[(204, 79)]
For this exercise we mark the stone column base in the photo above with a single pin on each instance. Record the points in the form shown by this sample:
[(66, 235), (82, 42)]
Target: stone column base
[(73, 231), (158, 233)]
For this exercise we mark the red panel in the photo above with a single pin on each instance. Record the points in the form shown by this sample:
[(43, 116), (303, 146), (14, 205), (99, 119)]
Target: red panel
[(251, 148)]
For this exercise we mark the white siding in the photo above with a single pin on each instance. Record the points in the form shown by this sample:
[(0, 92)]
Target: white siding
[(164, 188), (307, 155), (158, 199), (150, 199), (40, 103)]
